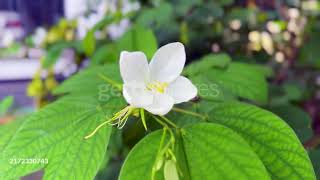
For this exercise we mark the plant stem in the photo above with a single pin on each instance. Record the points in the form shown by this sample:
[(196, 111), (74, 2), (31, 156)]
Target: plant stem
[(169, 122), (189, 113), (159, 152)]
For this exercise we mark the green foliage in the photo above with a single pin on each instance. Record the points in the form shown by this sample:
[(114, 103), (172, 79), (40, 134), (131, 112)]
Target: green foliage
[(212, 137), (138, 39), (7, 131), (206, 63), (299, 120), (135, 39), (55, 51), (225, 78), (310, 54), (252, 143), (57, 133), (272, 140), (315, 158), (104, 54), (151, 17), (211, 151), (92, 82), (5, 104), (89, 43)]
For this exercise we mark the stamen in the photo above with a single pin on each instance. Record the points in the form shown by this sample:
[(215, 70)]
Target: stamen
[(120, 118), (157, 86)]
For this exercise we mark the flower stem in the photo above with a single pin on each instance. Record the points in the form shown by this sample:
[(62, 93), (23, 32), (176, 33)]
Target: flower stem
[(143, 119), (169, 122), (189, 113), (96, 130)]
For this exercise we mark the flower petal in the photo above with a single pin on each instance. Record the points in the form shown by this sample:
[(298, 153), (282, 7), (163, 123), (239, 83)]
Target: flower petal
[(168, 62), (182, 90), (162, 104), (137, 95), (134, 67)]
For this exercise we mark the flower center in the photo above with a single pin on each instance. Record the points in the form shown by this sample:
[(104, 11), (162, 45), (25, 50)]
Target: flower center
[(157, 86)]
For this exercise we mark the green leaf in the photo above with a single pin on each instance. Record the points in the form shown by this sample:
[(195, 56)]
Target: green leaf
[(298, 120), (5, 104), (91, 82), (89, 43), (211, 151), (54, 52), (57, 133), (183, 7), (309, 54), (239, 79), (225, 2), (139, 39), (150, 17), (272, 140), (8, 130), (207, 62), (105, 54)]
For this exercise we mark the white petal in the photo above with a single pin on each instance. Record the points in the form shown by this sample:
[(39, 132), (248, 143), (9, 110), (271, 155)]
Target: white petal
[(162, 104), (134, 67), (168, 62), (182, 90), (137, 95)]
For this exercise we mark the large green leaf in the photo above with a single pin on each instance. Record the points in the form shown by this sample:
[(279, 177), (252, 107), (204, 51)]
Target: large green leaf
[(210, 151), (57, 133), (270, 137), (240, 79), (8, 130)]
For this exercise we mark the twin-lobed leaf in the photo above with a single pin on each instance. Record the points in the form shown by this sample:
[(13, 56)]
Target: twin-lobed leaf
[(270, 140), (211, 151)]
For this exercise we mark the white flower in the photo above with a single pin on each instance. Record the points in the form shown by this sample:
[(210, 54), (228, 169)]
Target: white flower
[(116, 30), (156, 86), (39, 36), (86, 23)]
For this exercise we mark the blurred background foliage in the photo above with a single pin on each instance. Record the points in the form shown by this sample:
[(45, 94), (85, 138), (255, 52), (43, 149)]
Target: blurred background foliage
[(278, 39)]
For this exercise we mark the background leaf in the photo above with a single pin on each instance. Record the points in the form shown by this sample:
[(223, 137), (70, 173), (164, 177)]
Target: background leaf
[(5, 104), (298, 120), (239, 79), (89, 43), (139, 39)]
